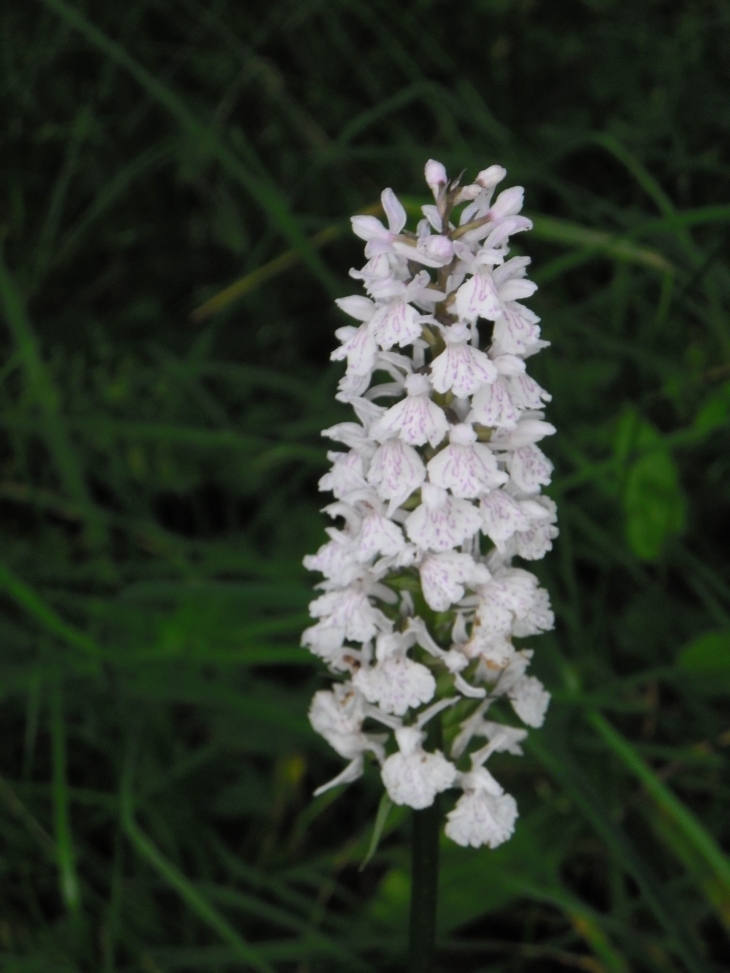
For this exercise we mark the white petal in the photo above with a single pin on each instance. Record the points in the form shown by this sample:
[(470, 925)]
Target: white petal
[(517, 329), (525, 432), (359, 347), (482, 819), (478, 298), (416, 419), (529, 468), (444, 527), (396, 470), (378, 535), (538, 618), (515, 290), (352, 772), (443, 577), (368, 228), (526, 393), (508, 203), (397, 684), (396, 323), (461, 368), (393, 210), (502, 516), (468, 471), (492, 405), (530, 700), (360, 308), (415, 780)]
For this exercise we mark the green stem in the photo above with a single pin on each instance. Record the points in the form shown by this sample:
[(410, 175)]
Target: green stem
[(68, 879), (424, 888)]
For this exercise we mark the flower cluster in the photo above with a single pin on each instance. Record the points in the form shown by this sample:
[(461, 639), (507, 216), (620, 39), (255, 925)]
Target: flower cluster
[(418, 609)]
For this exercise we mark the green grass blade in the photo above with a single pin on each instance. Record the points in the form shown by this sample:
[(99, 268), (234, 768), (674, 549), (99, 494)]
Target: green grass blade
[(197, 903), (68, 878), (43, 391), (34, 605), (262, 190), (690, 827)]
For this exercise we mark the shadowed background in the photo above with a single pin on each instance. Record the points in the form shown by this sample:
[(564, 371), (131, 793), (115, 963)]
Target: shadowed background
[(176, 182)]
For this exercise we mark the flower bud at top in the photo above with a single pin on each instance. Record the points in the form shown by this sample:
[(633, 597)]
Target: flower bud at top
[(436, 177), (488, 178)]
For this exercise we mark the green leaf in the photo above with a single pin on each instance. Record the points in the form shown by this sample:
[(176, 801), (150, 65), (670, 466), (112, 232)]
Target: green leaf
[(714, 413), (381, 819), (708, 655), (653, 502)]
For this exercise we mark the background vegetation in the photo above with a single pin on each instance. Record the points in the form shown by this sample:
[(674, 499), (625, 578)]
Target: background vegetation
[(159, 468)]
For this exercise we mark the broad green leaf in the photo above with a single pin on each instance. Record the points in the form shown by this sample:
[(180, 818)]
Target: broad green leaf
[(653, 502), (708, 655)]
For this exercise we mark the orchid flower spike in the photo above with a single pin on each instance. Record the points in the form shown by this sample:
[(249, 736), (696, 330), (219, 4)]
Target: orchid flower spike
[(436, 494)]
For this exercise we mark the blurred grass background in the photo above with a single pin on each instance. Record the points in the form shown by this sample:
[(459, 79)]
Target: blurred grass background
[(159, 469)]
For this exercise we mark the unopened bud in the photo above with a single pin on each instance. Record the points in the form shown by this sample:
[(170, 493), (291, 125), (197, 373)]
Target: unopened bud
[(436, 176), (488, 178), (437, 247)]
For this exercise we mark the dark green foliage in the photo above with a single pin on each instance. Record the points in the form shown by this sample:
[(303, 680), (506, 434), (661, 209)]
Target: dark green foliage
[(158, 481)]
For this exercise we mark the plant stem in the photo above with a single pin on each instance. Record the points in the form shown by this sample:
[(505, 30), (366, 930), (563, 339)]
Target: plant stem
[(424, 887)]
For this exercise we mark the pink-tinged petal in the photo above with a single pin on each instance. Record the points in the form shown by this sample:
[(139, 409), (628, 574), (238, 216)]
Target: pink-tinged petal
[(517, 330), (368, 228), (478, 298), (489, 178), (416, 419), (443, 577), (525, 432), (433, 216), (396, 323), (468, 469), (378, 535), (502, 516), (393, 210), (504, 230), (508, 203), (516, 290), (358, 347), (529, 468), (436, 177), (492, 405), (526, 393), (441, 523), (396, 471), (360, 308), (346, 475), (461, 367)]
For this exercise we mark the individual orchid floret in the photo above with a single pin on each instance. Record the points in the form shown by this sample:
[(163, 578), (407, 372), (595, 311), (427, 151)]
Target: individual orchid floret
[(484, 815), (437, 498), (395, 682), (417, 419), (466, 467), (442, 522), (413, 776), (396, 470), (370, 228), (460, 367), (444, 575)]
